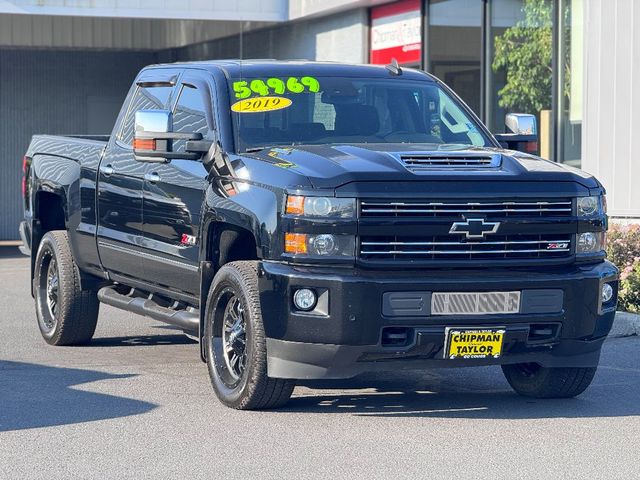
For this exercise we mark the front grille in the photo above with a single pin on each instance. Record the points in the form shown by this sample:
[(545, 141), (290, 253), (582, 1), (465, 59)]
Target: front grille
[(417, 162), (447, 248), (493, 209)]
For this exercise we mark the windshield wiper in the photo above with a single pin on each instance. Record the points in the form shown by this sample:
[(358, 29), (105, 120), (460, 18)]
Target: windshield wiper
[(256, 149), (265, 147)]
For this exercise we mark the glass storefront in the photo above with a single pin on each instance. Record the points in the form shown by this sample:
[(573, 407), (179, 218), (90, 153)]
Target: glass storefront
[(570, 82), (521, 56), (505, 14), (520, 75), (457, 62)]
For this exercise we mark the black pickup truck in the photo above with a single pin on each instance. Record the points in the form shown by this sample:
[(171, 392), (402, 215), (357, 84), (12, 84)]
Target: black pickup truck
[(316, 220)]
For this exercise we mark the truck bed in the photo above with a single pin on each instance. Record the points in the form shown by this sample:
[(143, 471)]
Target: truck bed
[(82, 148)]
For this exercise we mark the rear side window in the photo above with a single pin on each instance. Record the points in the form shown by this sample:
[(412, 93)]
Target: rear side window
[(191, 115), (145, 98)]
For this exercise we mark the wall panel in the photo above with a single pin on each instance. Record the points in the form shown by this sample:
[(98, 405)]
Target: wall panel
[(54, 92), (612, 101), (50, 31)]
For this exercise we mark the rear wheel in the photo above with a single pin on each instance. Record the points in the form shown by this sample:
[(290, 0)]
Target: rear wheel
[(533, 380), (235, 342), (67, 315)]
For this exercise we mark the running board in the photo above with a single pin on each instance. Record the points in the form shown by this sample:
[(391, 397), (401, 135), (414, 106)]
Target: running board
[(133, 302)]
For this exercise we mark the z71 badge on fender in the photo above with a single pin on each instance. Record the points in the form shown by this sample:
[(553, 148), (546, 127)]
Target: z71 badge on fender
[(188, 240)]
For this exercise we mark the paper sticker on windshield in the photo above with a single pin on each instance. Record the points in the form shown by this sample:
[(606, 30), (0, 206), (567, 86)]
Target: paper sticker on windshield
[(246, 88), (262, 104)]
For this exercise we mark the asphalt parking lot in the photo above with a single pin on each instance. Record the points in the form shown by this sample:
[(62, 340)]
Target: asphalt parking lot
[(137, 403)]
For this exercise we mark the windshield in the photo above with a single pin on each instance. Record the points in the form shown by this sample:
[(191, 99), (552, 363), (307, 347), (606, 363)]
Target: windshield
[(328, 110)]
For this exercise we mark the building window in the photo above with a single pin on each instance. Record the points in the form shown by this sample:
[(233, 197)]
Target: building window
[(455, 46), (505, 14), (571, 44), (521, 79)]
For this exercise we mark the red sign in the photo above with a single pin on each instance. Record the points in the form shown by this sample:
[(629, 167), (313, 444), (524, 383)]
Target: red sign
[(396, 32)]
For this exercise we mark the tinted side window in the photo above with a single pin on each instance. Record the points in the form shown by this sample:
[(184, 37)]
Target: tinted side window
[(190, 115), (145, 98)]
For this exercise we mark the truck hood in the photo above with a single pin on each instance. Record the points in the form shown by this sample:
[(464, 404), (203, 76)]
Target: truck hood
[(331, 166)]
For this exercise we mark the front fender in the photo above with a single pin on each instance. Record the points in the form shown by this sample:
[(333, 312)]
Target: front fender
[(246, 206)]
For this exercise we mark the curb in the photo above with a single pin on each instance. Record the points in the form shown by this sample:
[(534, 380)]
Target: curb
[(625, 325)]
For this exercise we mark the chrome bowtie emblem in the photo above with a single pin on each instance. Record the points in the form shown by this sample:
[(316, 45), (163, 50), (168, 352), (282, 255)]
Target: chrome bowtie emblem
[(474, 228)]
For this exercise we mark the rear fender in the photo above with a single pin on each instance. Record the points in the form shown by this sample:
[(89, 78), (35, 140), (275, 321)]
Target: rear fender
[(55, 198)]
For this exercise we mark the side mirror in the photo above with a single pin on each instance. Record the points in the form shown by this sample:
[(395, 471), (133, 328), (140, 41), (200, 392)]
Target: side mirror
[(523, 134), (154, 137)]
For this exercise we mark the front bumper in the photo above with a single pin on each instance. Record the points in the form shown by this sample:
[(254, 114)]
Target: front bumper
[(348, 336)]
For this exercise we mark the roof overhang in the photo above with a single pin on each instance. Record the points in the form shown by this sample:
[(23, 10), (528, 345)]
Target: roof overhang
[(317, 8), (247, 10)]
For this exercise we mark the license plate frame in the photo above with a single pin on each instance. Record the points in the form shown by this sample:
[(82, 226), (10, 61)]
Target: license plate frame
[(474, 350)]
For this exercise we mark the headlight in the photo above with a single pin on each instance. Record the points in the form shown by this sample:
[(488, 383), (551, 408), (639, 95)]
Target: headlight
[(324, 245), (590, 206), (321, 207), (591, 242)]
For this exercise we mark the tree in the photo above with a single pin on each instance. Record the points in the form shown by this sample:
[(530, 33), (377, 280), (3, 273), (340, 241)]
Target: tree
[(525, 52)]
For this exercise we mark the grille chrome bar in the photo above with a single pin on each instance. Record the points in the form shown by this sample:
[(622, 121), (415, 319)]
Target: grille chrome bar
[(396, 208), (568, 202), (520, 242), (505, 246), (458, 252), (509, 210)]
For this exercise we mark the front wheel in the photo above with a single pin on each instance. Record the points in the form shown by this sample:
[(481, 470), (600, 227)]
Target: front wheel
[(235, 342), (533, 380)]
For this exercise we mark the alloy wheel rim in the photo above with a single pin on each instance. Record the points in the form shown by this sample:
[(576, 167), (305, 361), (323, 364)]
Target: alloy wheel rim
[(234, 337), (52, 291)]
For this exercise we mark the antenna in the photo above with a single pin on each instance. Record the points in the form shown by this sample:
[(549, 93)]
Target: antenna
[(394, 68)]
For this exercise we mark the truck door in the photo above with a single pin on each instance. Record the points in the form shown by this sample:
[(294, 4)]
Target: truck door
[(121, 180), (174, 194)]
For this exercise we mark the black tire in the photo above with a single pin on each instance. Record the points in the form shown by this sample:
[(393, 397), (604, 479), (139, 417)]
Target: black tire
[(533, 380), (234, 318), (67, 315)]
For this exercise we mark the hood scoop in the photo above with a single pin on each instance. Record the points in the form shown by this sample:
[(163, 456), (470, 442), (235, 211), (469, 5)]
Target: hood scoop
[(417, 162)]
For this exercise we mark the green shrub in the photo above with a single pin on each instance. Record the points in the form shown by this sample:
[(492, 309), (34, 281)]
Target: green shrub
[(629, 297), (623, 250)]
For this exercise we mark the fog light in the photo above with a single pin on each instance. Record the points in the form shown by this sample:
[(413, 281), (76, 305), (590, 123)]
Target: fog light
[(304, 299), (607, 293)]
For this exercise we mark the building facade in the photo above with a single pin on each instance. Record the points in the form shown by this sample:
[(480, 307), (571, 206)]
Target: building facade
[(65, 67)]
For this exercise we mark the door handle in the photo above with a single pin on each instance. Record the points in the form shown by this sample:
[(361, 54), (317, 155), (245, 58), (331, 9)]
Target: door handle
[(152, 177), (107, 170)]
